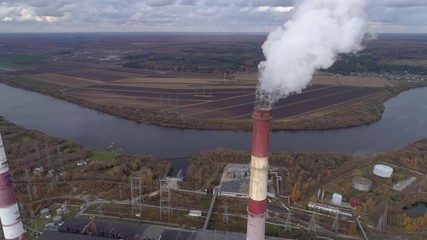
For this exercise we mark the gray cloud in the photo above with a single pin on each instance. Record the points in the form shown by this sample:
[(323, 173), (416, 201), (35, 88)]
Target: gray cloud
[(185, 15)]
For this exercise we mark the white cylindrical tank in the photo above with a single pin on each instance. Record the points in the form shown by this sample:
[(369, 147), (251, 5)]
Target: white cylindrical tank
[(336, 198), (382, 170)]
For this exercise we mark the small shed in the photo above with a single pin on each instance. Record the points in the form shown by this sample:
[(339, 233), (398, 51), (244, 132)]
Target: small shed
[(195, 213)]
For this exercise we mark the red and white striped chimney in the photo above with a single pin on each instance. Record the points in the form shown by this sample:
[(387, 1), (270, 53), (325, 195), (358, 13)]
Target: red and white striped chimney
[(257, 204), (9, 211)]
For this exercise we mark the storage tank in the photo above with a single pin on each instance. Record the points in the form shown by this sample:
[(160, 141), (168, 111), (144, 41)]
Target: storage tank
[(44, 213), (382, 170), (336, 199), (361, 184), (57, 220), (59, 211)]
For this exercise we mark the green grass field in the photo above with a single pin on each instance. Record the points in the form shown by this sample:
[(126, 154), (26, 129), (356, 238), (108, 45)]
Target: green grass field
[(103, 156), (19, 62)]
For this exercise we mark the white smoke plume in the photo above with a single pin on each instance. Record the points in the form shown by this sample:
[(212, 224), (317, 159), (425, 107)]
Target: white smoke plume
[(318, 31)]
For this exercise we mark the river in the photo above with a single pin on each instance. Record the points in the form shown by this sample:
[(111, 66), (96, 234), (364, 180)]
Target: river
[(404, 121)]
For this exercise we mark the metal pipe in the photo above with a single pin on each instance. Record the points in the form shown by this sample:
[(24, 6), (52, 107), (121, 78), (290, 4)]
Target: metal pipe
[(9, 211), (257, 203)]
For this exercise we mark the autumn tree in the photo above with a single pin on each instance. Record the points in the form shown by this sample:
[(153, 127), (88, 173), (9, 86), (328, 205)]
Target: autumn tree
[(296, 192)]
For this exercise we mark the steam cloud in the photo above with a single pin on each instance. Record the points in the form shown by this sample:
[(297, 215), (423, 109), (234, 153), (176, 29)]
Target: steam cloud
[(318, 31)]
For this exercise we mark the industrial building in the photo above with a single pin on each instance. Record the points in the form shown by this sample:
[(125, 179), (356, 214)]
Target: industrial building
[(236, 171), (237, 188), (401, 185), (87, 229)]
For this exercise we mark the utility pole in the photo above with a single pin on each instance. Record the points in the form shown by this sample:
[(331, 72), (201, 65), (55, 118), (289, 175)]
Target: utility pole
[(27, 177), (49, 160), (60, 159), (36, 146)]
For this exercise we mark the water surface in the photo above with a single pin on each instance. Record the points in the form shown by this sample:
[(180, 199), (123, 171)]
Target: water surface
[(404, 121)]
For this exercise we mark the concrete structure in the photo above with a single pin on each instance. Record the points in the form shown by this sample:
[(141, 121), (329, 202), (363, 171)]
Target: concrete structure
[(9, 211), (257, 203), (401, 185), (361, 184), (336, 199)]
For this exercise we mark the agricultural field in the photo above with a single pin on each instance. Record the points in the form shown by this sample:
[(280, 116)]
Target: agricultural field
[(188, 81), (199, 96)]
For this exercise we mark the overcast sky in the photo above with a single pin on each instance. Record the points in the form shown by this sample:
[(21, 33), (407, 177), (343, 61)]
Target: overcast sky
[(187, 15)]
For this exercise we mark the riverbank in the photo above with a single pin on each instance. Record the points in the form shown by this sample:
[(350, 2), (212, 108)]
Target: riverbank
[(363, 112), (44, 166)]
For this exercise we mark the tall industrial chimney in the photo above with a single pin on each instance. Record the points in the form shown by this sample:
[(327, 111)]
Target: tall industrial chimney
[(9, 211), (257, 204)]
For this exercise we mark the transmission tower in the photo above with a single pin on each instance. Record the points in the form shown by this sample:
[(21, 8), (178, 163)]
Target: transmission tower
[(179, 174), (28, 179), (335, 225), (137, 200), (100, 212), (312, 225), (288, 226), (49, 160), (36, 147), (60, 159), (225, 219), (165, 197)]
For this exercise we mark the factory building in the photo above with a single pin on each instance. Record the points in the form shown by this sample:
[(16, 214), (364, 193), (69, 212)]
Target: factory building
[(236, 171), (237, 188), (87, 229)]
